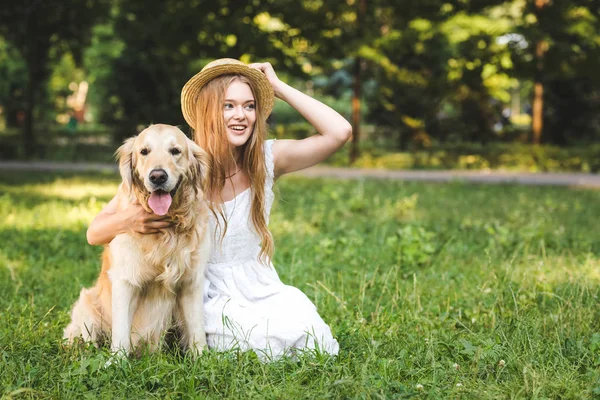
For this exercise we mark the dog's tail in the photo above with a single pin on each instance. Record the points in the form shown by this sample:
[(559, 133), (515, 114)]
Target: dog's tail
[(86, 321)]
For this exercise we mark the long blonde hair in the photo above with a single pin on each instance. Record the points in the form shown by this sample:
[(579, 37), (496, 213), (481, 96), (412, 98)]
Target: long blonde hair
[(210, 134)]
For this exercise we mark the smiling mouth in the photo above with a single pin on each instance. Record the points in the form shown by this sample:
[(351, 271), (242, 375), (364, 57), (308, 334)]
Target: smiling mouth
[(237, 128), (164, 192), (160, 200)]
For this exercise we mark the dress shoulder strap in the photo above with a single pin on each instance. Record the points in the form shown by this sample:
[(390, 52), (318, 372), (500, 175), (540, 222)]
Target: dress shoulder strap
[(269, 163)]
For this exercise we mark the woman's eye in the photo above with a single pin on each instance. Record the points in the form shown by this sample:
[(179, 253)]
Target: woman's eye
[(228, 105), (250, 107), (175, 151), (144, 152)]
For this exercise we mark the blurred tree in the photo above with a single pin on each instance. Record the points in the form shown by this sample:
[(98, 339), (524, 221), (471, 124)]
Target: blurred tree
[(423, 55), (412, 82), (105, 47), (560, 52), (441, 71), (541, 46), (341, 36), (162, 44), (440, 64), (42, 31), (13, 80), (478, 69)]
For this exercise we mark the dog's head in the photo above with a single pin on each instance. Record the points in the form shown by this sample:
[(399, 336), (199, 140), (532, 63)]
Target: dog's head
[(161, 163)]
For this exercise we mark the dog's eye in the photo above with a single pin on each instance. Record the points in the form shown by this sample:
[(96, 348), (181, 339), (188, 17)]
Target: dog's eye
[(144, 152), (175, 151)]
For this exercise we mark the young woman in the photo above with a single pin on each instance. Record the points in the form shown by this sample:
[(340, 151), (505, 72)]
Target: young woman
[(246, 304)]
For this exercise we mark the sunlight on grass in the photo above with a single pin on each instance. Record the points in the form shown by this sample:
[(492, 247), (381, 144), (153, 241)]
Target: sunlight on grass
[(51, 214), (63, 189), (65, 203), (297, 226), (11, 265), (559, 269)]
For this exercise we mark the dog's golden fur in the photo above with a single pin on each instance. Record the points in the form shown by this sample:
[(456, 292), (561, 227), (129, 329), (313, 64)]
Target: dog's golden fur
[(150, 282)]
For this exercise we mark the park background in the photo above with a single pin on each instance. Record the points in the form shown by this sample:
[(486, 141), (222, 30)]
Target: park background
[(433, 290), (429, 84)]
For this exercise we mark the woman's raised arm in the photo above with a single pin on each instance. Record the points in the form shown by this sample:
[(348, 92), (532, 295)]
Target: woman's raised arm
[(333, 129)]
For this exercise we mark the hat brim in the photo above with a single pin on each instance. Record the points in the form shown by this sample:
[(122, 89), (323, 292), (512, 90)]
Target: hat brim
[(263, 91)]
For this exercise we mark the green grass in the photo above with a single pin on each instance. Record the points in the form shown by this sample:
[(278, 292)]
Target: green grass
[(413, 278)]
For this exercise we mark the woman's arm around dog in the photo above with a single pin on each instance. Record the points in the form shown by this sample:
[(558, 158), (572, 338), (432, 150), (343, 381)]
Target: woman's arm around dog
[(111, 222)]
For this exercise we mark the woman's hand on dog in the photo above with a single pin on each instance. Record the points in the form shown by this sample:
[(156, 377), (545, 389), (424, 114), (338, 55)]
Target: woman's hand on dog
[(111, 222), (141, 221)]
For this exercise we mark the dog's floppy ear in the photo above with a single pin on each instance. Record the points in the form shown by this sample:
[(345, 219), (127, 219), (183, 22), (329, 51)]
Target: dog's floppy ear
[(126, 163), (199, 164)]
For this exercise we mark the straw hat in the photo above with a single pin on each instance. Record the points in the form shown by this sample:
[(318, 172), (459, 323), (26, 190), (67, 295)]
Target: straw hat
[(263, 91)]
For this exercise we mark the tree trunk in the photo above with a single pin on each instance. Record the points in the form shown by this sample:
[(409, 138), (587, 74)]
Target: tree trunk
[(357, 86), (28, 136), (538, 112), (354, 150), (538, 97), (32, 51), (30, 97)]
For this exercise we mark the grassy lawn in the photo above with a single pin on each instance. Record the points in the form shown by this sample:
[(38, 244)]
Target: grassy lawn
[(433, 291)]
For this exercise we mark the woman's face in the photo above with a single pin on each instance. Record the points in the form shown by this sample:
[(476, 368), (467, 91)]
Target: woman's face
[(239, 111)]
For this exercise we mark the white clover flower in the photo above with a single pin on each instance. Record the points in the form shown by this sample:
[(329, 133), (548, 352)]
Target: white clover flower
[(459, 385), (501, 363), (419, 386), (455, 366)]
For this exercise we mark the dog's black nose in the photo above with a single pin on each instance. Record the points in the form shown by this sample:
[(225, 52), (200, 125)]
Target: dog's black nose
[(158, 176)]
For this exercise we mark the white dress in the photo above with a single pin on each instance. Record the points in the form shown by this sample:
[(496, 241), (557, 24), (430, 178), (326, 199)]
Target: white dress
[(246, 304)]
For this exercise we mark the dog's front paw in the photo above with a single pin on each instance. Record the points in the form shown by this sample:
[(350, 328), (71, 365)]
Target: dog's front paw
[(118, 359), (197, 348)]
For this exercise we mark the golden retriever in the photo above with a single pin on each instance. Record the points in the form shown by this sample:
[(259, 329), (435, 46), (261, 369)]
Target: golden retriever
[(150, 282)]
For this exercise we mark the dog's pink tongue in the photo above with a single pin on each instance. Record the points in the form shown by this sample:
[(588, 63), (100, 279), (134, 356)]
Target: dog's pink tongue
[(160, 202)]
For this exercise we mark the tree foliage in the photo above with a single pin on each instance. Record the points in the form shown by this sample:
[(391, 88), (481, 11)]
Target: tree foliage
[(144, 79), (422, 71), (568, 34), (41, 31)]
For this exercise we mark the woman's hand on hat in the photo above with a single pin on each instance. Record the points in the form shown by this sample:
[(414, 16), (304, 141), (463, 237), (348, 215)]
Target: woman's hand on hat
[(267, 69)]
